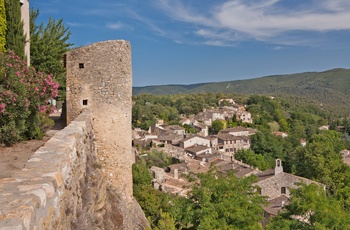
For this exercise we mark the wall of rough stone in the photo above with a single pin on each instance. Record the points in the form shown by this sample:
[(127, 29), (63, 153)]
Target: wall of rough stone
[(62, 187), (271, 187), (99, 77)]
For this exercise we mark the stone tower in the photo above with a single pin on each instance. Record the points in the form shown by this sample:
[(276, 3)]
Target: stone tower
[(99, 78)]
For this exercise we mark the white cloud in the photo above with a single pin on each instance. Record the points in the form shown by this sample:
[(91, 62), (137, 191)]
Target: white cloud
[(74, 24), (115, 26), (264, 20)]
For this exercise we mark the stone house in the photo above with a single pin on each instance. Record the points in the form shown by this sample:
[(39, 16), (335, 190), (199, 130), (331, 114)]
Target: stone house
[(280, 134), (229, 144), (275, 182), (198, 149), (244, 116), (202, 129), (194, 140), (345, 156), (229, 100), (167, 138), (239, 131)]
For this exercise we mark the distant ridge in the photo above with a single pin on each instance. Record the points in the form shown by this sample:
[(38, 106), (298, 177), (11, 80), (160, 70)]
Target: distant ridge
[(329, 87)]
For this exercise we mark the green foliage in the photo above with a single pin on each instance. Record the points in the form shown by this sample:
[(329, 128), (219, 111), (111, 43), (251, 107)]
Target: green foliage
[(189, 129), (216, 126), (48, 43), (148, 108), (23, 102), (226, 202), (320, 160), (216, 202), (256, 160), (319, 210), (15, 38), (156, 158), (3, 26)]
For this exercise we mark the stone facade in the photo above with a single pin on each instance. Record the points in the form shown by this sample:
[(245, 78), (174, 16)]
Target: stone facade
[(99, 78), (275, 183)]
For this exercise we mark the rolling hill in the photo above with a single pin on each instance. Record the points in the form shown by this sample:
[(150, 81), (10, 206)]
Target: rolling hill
[(331, 87)]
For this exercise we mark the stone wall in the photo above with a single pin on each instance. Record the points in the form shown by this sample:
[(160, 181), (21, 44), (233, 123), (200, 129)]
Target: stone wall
[(62, 187), (99, 77)]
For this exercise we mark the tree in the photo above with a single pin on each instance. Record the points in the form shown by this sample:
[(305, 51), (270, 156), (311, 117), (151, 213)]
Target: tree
[(216, 126), (48, 44), (318, 210), (15, 38), (320, 160), (3, 26), (226, 202)]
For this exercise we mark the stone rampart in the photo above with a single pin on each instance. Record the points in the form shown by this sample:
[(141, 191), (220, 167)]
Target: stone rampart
[(62, 187)]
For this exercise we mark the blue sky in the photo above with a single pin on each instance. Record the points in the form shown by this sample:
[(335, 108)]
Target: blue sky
[(196, 41)]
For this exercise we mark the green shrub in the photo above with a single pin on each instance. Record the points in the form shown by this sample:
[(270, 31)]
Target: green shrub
[(24, 96)]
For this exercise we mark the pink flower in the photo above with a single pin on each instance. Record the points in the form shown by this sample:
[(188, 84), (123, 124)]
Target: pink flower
[(18, 73), (2, 108)]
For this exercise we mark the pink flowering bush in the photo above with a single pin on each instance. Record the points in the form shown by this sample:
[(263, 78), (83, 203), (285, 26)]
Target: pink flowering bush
[(24, 97)]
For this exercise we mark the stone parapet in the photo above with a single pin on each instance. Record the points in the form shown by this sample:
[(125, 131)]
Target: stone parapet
[(49, 192), (62, 187)]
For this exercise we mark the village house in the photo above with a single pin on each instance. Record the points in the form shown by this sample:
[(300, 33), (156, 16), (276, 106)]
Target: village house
[(201, 128), (238, 168), (198, 149), (229, 101), (324, 127), (185, 121), (171, 179), (229, 144), (239, 131), (244, 116), (167, 138), (194, 140), (302, 143), (280, 134), (345, 156), (276, 184)]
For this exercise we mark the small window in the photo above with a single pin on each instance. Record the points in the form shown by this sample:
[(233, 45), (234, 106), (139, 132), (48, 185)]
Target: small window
[(283, 190), (81, 65), (85, 102)]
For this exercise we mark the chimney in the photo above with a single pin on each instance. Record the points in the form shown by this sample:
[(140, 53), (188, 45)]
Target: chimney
[(176, 174)]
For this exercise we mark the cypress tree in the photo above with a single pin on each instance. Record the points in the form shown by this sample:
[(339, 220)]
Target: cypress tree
[(15, 39), (2, 26)]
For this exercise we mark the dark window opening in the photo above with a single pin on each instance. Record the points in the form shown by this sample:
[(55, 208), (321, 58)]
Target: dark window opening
[(85, 102), (81, 65), (283, 190)]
